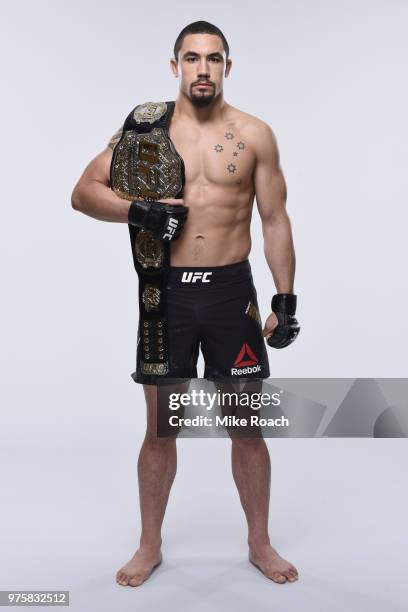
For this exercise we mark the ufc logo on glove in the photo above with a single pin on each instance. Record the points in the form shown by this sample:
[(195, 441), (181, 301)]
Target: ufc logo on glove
[(171, 228)]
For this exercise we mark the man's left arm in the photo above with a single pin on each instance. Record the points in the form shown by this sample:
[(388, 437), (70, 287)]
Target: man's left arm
[(271, 194)]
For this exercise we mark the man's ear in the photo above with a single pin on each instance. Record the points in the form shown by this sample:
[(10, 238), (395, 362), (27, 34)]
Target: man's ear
[(228, 67), (174, 66)]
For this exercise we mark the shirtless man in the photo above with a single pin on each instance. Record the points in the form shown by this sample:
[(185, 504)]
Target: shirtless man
[(230, 157)]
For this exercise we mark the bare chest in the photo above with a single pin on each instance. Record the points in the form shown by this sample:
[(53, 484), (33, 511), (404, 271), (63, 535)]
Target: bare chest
[(220, 156)]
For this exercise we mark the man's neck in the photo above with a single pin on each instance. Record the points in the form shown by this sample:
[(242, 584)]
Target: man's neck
[(185, 109)]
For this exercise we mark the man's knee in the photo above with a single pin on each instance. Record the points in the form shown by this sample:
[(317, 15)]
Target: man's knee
[(246, 444), (152, 437)]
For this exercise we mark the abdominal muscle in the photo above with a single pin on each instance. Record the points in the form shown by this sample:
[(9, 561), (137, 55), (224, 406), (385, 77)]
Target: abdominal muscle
[(217, 229)]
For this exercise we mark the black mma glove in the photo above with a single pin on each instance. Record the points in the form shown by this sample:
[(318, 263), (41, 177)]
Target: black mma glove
[(165, 221), (284, 306)]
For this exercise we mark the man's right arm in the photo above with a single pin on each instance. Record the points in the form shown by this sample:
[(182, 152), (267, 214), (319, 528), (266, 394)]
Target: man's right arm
[(92, 194)]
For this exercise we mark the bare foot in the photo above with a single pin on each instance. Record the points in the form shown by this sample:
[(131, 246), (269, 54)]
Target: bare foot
[(271, 564), (139, 568)]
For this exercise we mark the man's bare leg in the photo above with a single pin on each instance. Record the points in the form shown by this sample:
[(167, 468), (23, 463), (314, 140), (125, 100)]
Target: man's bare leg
[(157, 467), (251, 468)]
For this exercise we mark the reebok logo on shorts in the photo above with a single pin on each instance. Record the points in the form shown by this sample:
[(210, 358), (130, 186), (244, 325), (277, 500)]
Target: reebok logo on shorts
[(246, 362), (192, 277)]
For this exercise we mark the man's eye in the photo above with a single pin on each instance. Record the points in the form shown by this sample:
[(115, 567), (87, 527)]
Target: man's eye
[(212, 59)]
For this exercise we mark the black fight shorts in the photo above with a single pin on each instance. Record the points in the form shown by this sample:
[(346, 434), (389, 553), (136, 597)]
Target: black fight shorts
[(215, 309)]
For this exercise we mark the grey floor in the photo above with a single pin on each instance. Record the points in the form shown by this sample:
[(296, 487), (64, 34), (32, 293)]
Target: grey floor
[(338, 512)]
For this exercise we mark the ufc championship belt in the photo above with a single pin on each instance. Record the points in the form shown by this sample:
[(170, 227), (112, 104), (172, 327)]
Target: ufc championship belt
[(145, 165)]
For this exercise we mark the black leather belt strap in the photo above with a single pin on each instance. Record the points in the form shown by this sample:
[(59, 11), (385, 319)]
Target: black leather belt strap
[(145, 165)]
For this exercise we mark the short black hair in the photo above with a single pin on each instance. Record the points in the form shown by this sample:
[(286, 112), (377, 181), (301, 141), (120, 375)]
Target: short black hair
[(199, 27)]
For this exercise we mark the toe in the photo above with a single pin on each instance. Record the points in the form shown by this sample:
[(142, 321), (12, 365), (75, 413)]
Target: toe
[(277, 577), (136, 581)]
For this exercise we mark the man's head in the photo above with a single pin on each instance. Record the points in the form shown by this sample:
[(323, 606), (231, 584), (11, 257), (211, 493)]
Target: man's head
[(201, 57)]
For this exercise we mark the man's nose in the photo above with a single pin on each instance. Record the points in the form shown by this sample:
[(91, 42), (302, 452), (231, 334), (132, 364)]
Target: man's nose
[(203, 68)]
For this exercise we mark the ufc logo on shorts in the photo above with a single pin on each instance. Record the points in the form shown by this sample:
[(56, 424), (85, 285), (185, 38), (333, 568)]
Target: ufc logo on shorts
[(192, 277), (171, 228)]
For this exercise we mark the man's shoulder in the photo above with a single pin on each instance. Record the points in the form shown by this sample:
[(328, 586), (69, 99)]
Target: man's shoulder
[(256, 129)]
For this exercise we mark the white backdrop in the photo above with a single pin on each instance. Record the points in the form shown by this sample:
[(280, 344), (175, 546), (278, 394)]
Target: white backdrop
[(330, 79)]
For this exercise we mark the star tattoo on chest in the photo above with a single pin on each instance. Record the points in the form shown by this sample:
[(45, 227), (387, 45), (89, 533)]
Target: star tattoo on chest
[(218, 148)]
